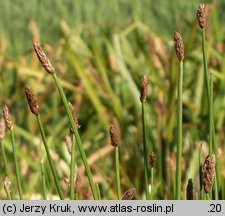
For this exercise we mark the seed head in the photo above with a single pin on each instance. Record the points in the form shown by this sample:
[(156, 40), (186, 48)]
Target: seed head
[(179, 46), (46, 64), (208, 172), (201, 15), (72, 110), (190, 190), (78, 181), (144, 88), (128, 195), (153, 159), (2, 129), (32, 101), (115, 140), (7, 117)]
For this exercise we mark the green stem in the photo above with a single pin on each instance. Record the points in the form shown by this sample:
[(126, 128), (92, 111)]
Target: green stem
[(146, 166), (215, 146), (118, 173), (4, 158), (98, 191), (53, 169), (152, 182), (18, 179), (78, 140), (72, 170), (179, 131), (200, 174), (43, 182)]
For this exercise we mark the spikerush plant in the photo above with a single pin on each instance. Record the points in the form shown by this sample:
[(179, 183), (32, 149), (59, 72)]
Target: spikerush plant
[(49, 68)]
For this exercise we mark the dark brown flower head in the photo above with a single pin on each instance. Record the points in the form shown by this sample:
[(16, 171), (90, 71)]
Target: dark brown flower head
[(208, 172), (179, 46), (72, 110), (32, 101), (7, 117), (2, 129), (190, 190), (128, 195), (153, 159), (201, 15), (46, 64), (7, 184), (78, 181), (114, 136), (144, 88)]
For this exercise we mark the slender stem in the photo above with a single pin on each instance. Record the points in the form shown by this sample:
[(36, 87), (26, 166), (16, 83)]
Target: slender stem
[(78, 140), (152, 182), (72, 169), (215, 146), (200, 174), (98, 191), (43, 182), (4, 158), (146, 166), (117, 173), (18, 179), (53, 169), (179, 131)]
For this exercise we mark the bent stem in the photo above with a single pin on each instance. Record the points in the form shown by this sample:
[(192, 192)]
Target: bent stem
[(18, 179), (146, 165), (56, 180), (77, 137), (72, 170), (179, 131), (117, 173)]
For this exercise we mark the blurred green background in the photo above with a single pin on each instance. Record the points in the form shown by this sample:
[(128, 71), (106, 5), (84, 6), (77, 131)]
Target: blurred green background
[(100, 50)]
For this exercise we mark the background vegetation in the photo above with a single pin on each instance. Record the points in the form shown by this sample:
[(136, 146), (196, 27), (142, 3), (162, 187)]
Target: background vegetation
[(100, 50)]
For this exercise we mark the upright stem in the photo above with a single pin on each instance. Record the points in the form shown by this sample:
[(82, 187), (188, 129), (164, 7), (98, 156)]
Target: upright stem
[(43, 182), (18, 179), (72, 169), (206, 72), (211, 117), (56, 180), (78, 140), (200, 174), (4, 158), (179, 131), (117, 173), (152, 182), (146, 165)]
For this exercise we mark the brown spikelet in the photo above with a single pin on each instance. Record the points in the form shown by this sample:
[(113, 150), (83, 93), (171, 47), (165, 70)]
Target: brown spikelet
[(129, 194), (72, 110), (78, 181), (201, 15), (153, 159), (2, 129), (144, 88), (208, 172), (7, 117), (7, 184), (68, 143), (46, 64), (114, 136), (179, 46), (190, 190), (32, 101)]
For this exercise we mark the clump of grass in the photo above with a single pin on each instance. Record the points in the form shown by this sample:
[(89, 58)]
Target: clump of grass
[(179, 48), (9, 125), (35, 109), (115, 141), (49, 68), (144, 92), (129, 194)]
